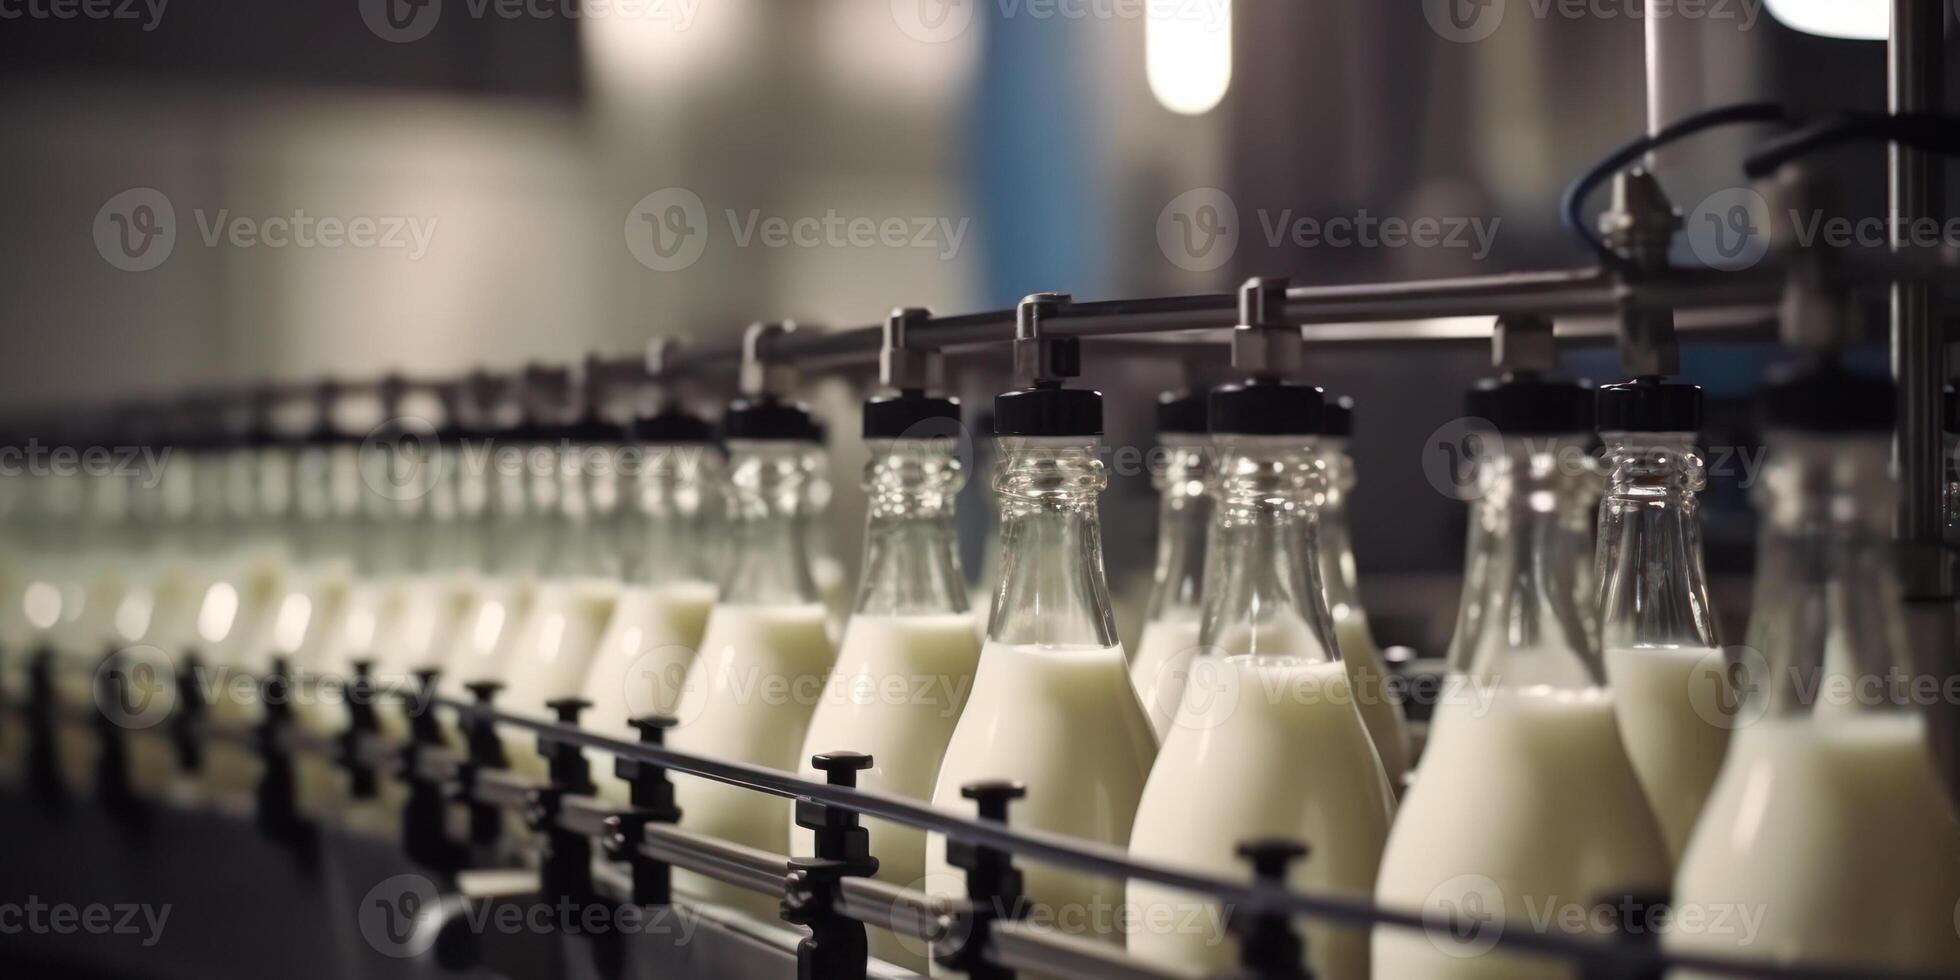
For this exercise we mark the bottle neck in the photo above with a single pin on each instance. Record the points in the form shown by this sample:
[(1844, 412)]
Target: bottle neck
[(1052, 590), (1262, 581), (1654, 592), (668, 515), (581, 540), (910, 566), (1525, 620), (1338, 574), (770, 564), (1183, 521), (1828, 619)]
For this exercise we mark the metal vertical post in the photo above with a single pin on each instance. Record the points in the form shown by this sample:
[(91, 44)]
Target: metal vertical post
[(1917, 79)]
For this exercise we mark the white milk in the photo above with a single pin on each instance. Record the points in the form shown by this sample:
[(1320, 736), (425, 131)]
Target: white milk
[(417, 625), (1065, 722), (748, 698), (1380, 712), (1277, 751), (1525, 805), (641, 665), (834, 589), (1158, 673), (500, 607), (236, 622), (547, 657), (896, 693), (162, 618), (1835, 831), (1676, 710)]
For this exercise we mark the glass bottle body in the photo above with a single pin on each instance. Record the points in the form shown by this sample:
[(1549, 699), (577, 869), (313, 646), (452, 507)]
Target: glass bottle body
[(1052, 705), (764, 656), (1170, 631), (1828, 738), (1661, 651), (1269, 693), (1526, 780), (908, 656), (1381, 709)]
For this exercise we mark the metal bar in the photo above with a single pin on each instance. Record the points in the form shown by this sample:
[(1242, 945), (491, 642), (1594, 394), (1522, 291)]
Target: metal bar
[(1917, 75), (905, 911), (744, 867), (1040, 950)]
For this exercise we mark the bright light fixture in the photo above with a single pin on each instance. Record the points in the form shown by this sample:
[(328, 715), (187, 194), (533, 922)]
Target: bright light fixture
[(1187, 54), (1857, 20)]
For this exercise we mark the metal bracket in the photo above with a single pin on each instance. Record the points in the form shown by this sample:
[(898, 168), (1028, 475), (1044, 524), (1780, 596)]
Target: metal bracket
[(901, 365), (277, 797), (112, 757), (761, 375), (486, 754), (1042, 360), (362, 724), (1269, 949), (425, 838), (43, 753), (566, 856), (1640, 228), (1264, 345), (993, 887), (1523, 343), (651, 792), (836, 947)]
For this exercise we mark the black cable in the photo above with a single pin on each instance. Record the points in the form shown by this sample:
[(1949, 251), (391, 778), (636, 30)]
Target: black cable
[(1924, 131), (1574, 201)]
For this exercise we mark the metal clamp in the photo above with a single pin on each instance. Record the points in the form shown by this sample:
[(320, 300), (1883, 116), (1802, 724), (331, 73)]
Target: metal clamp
[(186, 721), (1639, 228), (277, 795), (425, 836), (43, 752), (1269, 948), (1264, 345), (993, 887), (761, 375), (112, 784), (1042, 359), (836, 947), (902, 365), (651, 792), (486, 754), (362, 723), (565, 858), (1523, 344)]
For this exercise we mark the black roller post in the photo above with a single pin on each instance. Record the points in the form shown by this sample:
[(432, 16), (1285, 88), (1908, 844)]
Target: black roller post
[(486, 752), (836, 947), (1637, 920), (993, 886), (362, 723), (278, 815), (566, 860), (1269, 949), (112, 687), (43, 758), (652, 795), (187, 720), (425, 836)]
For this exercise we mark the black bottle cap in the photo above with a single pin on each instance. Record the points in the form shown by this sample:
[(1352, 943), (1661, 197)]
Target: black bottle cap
[(673, 424), (1048, 409), (910, 415), (770, 418), (1337, 418), (1527, 403), (1267, 408), (1821, 396), (1649, 404), (591, 428), (1182, 413)]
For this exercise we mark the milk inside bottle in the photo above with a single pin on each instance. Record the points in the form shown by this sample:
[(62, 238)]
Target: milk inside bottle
[(642, 658), (832, 579), (509, 486), (766, 650), (1268, 742), (1828, 824), (1052, 705), (1381, 709), (1656, 625), (1170, 629), (906, 663), (1525, 800)]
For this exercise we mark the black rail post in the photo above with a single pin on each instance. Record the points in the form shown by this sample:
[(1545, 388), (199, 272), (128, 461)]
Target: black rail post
[(1635, 925), (43, 752), (651, 792), (425, 835), (486, 752), (187, 717), (566, 861), (1269, 949), (362, 723), (836, 948), (113, 689), (993, 886), (277, 810)]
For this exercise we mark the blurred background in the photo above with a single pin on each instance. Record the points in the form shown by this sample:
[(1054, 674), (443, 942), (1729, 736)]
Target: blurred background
[(230, 190)]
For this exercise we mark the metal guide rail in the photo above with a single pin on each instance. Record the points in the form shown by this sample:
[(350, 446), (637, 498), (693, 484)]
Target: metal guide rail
[(830, 893)]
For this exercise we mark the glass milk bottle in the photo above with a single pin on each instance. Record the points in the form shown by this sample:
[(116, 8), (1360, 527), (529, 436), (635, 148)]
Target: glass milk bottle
[(1267, 742), (1657, 631), (1052, 706), (547, 655), (1525, 800), (819, 540), (1828, 822), (656, 625), (1380, 709), (766, 650), (906, 663), (514, 476), (1170, 630)]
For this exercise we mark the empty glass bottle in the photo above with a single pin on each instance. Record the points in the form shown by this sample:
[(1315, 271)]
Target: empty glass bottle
[(1170, 631)]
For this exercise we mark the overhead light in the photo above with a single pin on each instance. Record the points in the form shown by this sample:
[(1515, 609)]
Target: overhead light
[(1857, 20), (1187, 54)]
